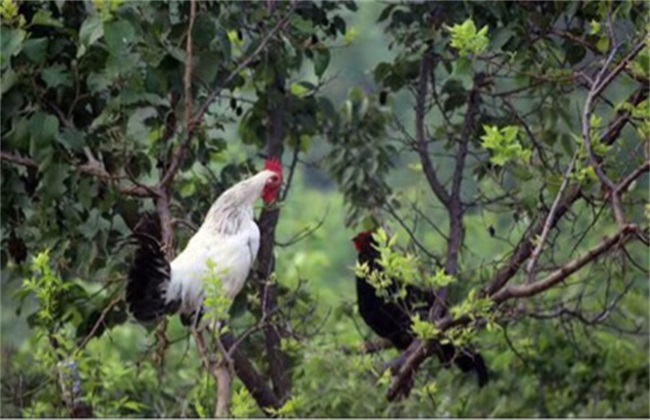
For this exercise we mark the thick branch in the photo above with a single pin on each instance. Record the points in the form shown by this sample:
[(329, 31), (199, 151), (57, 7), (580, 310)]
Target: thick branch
[(223, 372), (224, 391), (452, 201), (455, 204), (279, 363), (166, 224), (252, 380)]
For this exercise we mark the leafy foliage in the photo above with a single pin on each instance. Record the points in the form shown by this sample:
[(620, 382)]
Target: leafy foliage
[(504, 145), (96, 109)]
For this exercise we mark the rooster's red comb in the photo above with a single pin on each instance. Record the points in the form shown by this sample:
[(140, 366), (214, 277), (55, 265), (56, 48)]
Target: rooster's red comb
[(274, 165)]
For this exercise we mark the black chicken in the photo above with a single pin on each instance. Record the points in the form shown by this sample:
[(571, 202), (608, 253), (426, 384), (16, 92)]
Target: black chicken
[(392, 319)]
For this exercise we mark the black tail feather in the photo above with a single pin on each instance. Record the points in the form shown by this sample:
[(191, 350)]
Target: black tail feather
[(467, 361), (193, 319), (149, 277)]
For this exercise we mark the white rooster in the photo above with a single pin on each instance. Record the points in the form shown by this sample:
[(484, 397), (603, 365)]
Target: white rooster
[(226, 244)]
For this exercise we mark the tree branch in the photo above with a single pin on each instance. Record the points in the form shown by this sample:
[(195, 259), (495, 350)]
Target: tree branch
[(451, 201), (252, 380), (189, 50), (190, 123), (525, 246), (224, 390), (623, 185), (92, 170), (420, 135), (215, 93), (527, 290), (600, 82), (532, 263), (417, 357), (279, 363), (607, 80)]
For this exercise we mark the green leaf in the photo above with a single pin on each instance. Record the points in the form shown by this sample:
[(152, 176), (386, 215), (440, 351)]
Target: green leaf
[(504, 145), (98, 81), (94, 224), (299, 90), (9, 79), (321, 61), (327, 107), (424, 330), (463, 71), (188, 189), (575, 54), (52, 185), (119, 35), (466, 39), (207, 66), (11, 43), (385, 13), (594, 27), (44, 18), (603, 44), (501, 37), (91, 30), (204, 31), (136, 127), (42, 129), (350, 36), (454, 101), (56, 75), (36, 49), (441, 279), (72, 139)]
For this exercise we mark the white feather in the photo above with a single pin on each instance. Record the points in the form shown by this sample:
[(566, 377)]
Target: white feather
[(232, 256), (229, 238)]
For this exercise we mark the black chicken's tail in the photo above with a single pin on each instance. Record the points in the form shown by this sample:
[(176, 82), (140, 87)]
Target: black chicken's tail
[(467, 361), (149, 276)]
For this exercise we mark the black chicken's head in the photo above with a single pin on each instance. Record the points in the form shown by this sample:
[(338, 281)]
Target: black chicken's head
[(364, 240)]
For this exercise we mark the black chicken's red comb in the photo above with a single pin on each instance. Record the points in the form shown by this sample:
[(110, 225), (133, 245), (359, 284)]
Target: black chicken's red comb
[(363, 238), (274, 165)]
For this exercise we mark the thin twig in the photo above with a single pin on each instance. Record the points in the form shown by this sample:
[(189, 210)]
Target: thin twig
[(99, 322), (292, 169), (623, 185), (213, 95), (532, 263)]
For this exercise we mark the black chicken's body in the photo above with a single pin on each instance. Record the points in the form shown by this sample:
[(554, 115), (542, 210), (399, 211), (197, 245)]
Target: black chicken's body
[(391, 318)]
